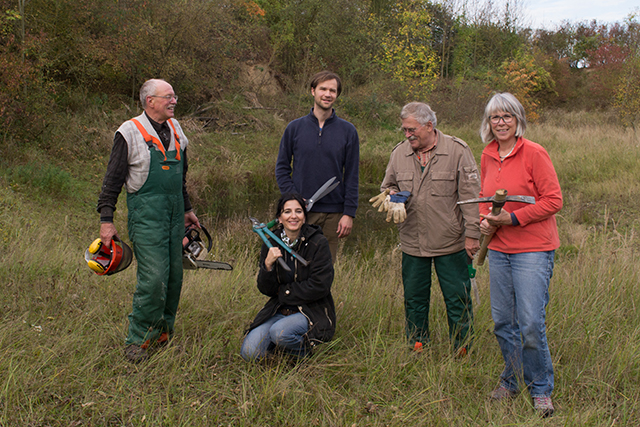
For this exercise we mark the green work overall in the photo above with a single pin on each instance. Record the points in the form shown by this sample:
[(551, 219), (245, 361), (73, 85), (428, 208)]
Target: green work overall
[(156, 228)]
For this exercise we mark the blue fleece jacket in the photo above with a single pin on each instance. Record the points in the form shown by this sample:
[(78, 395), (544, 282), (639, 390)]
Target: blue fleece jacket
[(319, 154)]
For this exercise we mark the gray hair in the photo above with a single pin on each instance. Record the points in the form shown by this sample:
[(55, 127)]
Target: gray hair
[(419, 111), (507, 103), (148, 88)]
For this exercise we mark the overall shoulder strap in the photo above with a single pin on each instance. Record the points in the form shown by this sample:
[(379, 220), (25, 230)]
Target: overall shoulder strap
[(148, 138), (175, 134)]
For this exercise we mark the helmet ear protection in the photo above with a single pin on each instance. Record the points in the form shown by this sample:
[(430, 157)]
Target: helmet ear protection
[(106, 261)]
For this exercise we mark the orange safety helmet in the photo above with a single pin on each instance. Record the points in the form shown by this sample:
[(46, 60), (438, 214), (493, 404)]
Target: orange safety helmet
[(106, 261)]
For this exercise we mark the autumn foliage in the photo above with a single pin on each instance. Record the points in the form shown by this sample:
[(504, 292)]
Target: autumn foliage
[(71, 53)]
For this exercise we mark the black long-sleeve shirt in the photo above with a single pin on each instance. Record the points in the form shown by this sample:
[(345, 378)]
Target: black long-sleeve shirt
[(118, 169)]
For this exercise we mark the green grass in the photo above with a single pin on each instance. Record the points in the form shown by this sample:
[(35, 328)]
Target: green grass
[(62, 330)]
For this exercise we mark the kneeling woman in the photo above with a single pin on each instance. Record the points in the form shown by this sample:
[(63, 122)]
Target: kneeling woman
[(300, 312)]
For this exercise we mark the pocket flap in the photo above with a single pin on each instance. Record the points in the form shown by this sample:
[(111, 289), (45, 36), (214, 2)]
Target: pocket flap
[(443, 176), (404, 176)]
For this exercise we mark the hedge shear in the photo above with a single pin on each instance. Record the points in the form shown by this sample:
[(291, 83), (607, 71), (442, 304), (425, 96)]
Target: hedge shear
[(326, 188), (263, 231)]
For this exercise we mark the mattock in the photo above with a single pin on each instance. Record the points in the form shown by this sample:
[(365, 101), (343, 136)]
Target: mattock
[(497, 202)]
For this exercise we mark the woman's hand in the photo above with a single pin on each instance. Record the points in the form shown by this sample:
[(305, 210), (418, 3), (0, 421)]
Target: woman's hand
[(491, 222), (486, 228), (272, 256)]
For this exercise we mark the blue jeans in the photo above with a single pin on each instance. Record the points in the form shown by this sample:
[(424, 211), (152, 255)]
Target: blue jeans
[(280, 331), (519, 297)]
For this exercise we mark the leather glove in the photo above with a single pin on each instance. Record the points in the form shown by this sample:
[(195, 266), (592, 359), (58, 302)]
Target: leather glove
[(396, 209), (397, 212), (378, 201)]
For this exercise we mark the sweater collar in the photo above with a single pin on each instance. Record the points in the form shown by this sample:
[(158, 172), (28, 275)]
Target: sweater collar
[(329, 120), (492, 149)]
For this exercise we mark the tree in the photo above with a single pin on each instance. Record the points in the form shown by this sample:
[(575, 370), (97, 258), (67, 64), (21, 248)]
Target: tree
[(486, 38), (525, 79), (406, 53)]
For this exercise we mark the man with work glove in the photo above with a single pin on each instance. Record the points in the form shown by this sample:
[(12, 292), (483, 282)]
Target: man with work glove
[(427, 174), (393, 204)]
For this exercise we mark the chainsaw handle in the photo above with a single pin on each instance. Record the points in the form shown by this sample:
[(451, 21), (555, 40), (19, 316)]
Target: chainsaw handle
[(206, 233)]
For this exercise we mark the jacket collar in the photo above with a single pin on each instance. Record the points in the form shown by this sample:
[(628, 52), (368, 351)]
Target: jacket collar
[(441, 149), (306, 231)]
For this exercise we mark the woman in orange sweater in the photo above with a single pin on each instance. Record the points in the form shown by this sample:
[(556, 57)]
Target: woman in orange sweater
[(522, 249)]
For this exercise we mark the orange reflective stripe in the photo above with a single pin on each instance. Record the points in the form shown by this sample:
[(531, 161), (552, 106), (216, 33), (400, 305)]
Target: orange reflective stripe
[(148, 137), (175, 134)]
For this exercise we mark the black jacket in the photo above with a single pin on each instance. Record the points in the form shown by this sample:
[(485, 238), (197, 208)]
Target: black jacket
[(311, 289)]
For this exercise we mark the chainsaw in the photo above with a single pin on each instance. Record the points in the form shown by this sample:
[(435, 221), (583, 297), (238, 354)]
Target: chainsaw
[(193, 246)]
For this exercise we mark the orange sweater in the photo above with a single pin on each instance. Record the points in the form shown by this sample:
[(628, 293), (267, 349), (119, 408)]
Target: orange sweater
[(527, 171)]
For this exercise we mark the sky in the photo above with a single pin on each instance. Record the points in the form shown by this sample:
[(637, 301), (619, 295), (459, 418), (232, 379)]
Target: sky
[(548, 13)]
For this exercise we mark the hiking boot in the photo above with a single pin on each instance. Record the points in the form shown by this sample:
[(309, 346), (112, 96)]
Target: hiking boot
[(501, 393), (543, 406), (135, 353)]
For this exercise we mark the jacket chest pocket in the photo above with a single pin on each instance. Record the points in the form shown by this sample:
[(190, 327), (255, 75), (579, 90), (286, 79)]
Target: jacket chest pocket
[(405, 181), (443, 184)]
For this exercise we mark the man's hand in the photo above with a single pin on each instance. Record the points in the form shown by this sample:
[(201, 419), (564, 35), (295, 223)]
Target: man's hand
[(190, 218), (378, 201), (471, 246), (107, 231), (344, 226)]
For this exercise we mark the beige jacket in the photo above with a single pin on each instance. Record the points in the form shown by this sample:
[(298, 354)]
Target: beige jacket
[(435, 225)]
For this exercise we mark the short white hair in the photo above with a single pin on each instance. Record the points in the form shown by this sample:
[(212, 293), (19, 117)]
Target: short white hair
[(419, 111), (149, 88), (507, 103)]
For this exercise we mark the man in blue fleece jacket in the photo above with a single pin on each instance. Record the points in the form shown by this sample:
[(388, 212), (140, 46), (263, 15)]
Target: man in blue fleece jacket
[(315, 148)]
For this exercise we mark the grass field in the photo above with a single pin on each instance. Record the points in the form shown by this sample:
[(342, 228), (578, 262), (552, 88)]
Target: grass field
[(63, 327)]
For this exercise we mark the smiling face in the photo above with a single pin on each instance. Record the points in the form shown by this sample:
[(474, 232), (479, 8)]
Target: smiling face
[(161, 105), (420, 137), (503, 126), (325, 94), (292, 218)]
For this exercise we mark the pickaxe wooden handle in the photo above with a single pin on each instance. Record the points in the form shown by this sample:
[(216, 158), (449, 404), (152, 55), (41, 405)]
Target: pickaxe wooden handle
[(500, 199)]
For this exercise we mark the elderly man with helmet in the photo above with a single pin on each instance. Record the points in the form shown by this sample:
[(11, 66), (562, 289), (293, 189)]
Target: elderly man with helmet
[(149, 158), (427, 174)]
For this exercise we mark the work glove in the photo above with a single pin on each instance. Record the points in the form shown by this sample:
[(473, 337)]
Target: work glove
[(396, 209), (379, 201), (400, 197)]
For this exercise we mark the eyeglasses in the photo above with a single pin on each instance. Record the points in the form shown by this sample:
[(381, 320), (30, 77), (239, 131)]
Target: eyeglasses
[(507, 118), (410, 131), (169, 97)]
